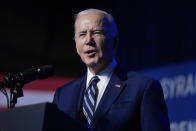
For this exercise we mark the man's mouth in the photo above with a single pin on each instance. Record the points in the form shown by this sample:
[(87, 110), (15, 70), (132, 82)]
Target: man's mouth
[(91, 53)]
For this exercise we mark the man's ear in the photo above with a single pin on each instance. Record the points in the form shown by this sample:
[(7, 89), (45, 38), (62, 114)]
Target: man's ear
[(76, 47)]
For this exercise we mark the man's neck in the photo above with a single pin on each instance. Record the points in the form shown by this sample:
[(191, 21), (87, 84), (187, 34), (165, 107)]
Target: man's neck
[(97, 69)]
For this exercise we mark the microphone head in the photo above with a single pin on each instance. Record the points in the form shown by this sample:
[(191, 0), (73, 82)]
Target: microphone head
[(45, 71), (31, 74)]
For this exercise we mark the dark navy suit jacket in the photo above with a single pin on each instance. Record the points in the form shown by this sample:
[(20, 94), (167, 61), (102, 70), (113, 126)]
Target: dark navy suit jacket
[(130, 102)]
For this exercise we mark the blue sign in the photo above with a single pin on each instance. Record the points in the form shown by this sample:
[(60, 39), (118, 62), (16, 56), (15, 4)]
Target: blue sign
[(179, 87)]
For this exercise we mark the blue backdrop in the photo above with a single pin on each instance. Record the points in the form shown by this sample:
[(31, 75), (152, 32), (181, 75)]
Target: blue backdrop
[(179, 86)]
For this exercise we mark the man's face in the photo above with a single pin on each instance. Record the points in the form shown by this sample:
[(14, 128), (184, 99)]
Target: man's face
[(94, 42)]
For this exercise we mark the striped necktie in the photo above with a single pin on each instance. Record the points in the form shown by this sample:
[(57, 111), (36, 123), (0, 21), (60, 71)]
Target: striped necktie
[(90, 99)]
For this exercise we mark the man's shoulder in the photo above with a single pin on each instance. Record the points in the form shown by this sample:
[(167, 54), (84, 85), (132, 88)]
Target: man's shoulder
[(138, 75), (131, 75), (139, 78)]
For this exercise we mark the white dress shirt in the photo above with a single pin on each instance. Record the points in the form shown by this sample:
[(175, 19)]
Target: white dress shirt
[(104, 78)]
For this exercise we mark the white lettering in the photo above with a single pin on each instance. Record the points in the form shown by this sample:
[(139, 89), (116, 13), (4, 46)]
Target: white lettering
[(190, 85), (179, 86), (183, 126), (168, 88)]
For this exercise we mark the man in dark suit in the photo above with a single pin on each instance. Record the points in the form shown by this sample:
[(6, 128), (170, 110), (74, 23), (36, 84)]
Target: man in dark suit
[(107, 98)]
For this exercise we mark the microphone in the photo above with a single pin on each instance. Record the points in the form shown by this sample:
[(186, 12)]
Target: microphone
[(29, 75)]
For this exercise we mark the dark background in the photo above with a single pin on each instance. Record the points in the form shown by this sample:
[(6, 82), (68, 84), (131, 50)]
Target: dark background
[(152, 33)]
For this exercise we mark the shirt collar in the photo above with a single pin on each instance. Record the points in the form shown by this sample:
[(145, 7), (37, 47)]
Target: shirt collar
[(103, 74)]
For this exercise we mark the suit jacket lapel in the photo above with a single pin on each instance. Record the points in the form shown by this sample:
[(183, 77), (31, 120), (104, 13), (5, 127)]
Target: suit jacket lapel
[(113, 89)]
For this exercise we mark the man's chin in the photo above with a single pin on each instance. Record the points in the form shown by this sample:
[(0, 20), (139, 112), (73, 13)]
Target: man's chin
[(91, 65), (90, 62)]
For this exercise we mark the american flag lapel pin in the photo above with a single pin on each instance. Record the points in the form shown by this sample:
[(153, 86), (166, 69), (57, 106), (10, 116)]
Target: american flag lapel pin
[(117, 85)]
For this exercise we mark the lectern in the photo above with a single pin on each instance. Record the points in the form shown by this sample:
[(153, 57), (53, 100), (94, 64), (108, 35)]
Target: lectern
[(38, 117)]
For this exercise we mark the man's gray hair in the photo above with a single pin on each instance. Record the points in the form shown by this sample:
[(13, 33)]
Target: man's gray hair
[(110, 18)]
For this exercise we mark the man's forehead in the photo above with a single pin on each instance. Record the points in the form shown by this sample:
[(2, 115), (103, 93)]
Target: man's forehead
[(93, 17)]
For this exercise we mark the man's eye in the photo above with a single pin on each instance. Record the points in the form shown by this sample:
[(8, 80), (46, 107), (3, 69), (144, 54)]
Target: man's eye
[(98, 32), (82, 34)]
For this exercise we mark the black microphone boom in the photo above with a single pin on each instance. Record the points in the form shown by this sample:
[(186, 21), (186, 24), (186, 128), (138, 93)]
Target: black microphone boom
[(29, 75), (16, 82), (36, 73)]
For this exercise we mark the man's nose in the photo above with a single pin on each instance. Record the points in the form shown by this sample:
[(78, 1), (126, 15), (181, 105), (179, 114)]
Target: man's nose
[(89, 39)]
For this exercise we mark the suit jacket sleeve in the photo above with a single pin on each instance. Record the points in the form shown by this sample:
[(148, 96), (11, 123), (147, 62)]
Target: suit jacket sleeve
[(154, 116)]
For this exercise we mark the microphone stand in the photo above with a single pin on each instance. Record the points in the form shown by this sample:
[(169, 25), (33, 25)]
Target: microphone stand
[(15, 89), (15, 93)]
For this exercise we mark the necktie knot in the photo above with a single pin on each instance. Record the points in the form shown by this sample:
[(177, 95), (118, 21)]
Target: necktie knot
[(94, 80)]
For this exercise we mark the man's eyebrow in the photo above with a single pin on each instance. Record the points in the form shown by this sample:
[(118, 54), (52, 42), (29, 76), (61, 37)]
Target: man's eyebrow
[(102, 30), (98, 30), (82, 31)]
